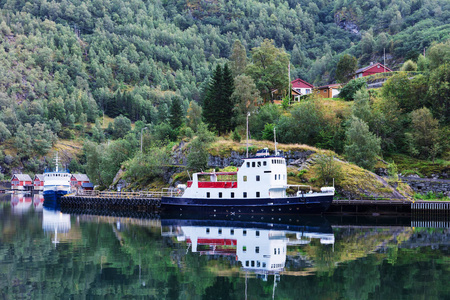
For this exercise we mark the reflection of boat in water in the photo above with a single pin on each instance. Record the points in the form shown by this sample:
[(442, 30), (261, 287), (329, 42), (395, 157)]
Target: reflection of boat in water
[(56, 184), (258, 187), (260, 247), (54, 221)]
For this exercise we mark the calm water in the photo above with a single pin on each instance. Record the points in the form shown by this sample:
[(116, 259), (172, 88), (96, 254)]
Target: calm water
[(50, 255)]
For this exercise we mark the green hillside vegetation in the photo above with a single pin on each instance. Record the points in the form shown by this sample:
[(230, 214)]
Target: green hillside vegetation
[(104, 76)]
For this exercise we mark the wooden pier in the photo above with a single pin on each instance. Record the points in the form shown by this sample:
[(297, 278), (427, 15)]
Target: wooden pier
[(370, 207), (114, 201), (149, 202)]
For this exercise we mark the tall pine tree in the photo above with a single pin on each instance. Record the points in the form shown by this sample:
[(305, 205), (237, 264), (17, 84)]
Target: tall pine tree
[(226, 105), (176, 113), (218, 105), (211, 101)]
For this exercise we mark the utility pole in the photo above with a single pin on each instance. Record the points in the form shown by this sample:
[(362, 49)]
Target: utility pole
[(289, 86)]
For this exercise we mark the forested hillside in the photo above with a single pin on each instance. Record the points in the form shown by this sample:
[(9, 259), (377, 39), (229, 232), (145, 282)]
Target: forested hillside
[(65, 65)]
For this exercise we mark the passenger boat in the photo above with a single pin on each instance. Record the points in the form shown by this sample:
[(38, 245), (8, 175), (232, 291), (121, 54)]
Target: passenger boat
[(56, 184), (258, 187)]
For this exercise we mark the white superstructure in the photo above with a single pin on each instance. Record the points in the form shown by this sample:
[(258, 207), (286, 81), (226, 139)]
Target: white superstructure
[(57, 181)]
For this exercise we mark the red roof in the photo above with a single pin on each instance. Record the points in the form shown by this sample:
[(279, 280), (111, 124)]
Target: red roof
[(299, 84), (372, 66)]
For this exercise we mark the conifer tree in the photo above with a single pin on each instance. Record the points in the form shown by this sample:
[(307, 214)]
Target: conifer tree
[(211, 101), (226, 103), (176, 113)]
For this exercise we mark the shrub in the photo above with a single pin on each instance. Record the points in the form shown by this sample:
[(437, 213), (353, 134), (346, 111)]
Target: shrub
[(348, 92), (236, 136)]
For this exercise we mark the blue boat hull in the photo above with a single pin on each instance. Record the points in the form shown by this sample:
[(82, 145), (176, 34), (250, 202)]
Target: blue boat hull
[(259, 206), (52, 199)]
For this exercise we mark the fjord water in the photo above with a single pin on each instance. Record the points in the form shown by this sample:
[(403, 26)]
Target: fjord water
[(47, 254)]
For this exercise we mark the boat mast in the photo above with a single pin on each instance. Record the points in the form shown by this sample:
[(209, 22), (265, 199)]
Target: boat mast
[(275, 140), (248, 115), (56, 162)]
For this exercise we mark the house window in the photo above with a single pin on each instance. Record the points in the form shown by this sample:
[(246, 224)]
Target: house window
[(253, 164), (264, 163), (324, 91), (207, 230), (232, 195), (248, 164), (257, 249), (258, 178), (258, 264), (245, 194), (232, 231), (244, 233), (220, 230), (275, 176), (253, 263), (257, 194), (220, 194), (275, 251), (259, 164), (208, 195), (247, 263), (257, 233)]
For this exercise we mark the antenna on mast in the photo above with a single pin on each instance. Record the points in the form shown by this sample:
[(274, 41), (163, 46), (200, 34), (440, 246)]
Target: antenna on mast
[(275, 140), (248, 115), (56, 162)]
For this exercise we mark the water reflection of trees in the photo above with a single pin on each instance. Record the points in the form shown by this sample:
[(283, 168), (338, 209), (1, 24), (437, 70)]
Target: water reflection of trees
[(135, 261)]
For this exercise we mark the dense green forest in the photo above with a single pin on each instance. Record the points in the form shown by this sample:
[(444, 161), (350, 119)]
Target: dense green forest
[(151, 65)]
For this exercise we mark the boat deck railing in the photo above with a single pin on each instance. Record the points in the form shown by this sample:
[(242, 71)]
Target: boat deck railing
[(141, 194)]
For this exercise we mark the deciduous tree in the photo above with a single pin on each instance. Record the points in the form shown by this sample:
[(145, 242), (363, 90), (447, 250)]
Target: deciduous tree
[(346, 68), (362, 146)]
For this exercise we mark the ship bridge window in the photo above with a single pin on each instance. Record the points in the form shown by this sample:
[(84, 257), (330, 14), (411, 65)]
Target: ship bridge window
[(220, 194), (257, 233), (208, 195), (232, 195), (253, 263), (232, 231), (247, 263), (253, 164), (257, 249), (220, 231), (244, 232), (258, 178), (248, 164), (257, 195), (207, 230), (259, 164), (245, 194), (258, 264), (264, 163)]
